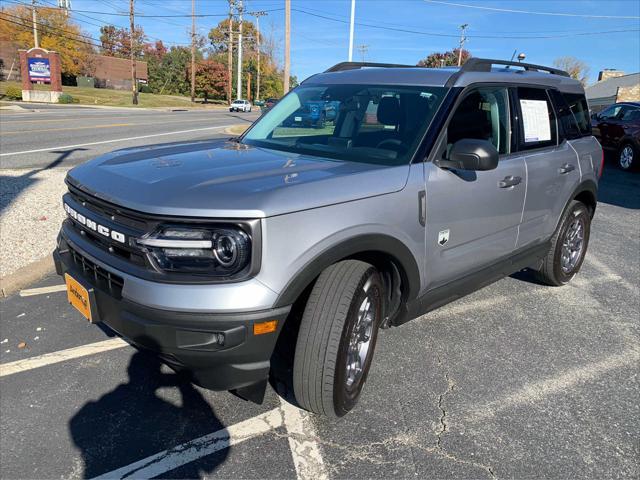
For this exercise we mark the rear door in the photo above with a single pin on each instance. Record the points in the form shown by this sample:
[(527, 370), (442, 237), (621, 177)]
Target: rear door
[(553, 170), (473, 217)]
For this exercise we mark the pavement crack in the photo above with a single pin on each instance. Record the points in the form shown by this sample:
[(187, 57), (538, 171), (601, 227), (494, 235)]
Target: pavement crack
[(444, 428)]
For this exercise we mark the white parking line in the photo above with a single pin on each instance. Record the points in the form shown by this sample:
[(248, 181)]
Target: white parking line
[(29, 292), (65, 147), (604, 268), (304, 449), (539, 390), (173, 458), (61, 356)]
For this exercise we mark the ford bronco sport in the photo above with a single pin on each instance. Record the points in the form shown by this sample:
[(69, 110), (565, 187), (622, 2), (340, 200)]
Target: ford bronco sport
[(211, 252)]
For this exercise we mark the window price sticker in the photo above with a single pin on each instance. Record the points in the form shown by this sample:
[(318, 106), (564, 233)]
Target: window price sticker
[(535, 118)]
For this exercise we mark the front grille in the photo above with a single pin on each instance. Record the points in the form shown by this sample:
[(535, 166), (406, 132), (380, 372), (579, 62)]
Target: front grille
[(106, 210), (103, 279)]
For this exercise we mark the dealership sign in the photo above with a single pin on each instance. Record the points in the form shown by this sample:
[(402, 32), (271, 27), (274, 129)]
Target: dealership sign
[(39, 69)]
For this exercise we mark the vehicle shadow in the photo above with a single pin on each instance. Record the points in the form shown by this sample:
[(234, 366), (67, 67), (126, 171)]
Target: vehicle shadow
[(619, 188), (137, 420), (12, 186)]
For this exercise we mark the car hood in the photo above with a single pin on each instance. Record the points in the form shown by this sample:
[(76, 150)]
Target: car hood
[(229, 180)]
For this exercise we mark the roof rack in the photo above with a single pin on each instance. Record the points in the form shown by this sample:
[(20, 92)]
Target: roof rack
[(484, 65), (340, 67), (472, 65)]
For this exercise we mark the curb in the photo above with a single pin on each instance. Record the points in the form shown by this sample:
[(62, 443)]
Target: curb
[(25, 276)]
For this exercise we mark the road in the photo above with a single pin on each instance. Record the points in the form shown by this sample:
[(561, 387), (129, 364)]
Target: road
[(43, 136), (518, 380)]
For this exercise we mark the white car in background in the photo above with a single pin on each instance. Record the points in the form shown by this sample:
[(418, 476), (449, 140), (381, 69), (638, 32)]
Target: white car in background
[(240, 106)]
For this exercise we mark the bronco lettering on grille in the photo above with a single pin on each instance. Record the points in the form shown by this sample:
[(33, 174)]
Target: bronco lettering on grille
[(93, 225)]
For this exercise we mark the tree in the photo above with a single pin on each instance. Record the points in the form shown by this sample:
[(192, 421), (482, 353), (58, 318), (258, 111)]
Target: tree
[(446, 59), (576, 68), (116, 42), (211, 79), (167, 72), (219, 35), (56, 32)]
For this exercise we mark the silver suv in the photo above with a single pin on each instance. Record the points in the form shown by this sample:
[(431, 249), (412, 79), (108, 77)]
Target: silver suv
[(305, 242)]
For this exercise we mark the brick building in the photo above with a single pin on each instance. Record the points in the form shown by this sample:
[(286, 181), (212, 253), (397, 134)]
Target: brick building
[(112, 72), (109, 72), (613, 86)]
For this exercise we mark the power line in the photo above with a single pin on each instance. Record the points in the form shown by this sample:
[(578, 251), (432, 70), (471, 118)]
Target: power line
[(27, 26), (554, 14), (450, 35), (102, 23)]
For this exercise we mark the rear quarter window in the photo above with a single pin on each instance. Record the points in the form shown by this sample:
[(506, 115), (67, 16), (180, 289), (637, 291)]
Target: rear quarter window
[(567, 123), (580, 109)]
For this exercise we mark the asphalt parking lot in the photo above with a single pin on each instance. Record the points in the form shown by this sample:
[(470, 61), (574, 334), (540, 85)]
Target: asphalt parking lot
[(518, 380)]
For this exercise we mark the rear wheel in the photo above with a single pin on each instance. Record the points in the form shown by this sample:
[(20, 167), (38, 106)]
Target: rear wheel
[(627, 157), (337, 337), (568, 246)]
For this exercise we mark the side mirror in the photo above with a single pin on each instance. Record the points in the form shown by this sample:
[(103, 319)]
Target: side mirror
[(471, 154), (595, 116)]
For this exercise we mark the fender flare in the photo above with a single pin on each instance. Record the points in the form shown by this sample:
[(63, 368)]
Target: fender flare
[(588, 186), (350, 247)]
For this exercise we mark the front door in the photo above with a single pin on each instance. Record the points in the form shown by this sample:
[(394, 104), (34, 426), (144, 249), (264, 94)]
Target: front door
[(473, 217)]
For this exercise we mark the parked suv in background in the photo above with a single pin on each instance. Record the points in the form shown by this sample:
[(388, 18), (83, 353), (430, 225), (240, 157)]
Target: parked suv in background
[(618, 130), (240, 106), (214, 253)]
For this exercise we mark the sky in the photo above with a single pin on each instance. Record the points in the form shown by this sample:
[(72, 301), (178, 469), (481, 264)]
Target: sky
[(405, 31)]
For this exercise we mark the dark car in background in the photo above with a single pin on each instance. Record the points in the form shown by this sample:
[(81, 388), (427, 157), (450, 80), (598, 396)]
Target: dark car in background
[(617, 128)]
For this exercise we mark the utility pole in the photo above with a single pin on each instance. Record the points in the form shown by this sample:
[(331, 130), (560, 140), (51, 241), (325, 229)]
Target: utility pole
[(34, 15), (463, 38), (193, 51), (134, 86), (239, 79), (230, 52), (258, 15), (363, 50), (287, 45), (353, 17), (249, 86)]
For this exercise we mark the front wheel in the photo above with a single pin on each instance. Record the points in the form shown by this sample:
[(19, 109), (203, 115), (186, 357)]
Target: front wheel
[(568, 246), (628, 157), (337, 337)]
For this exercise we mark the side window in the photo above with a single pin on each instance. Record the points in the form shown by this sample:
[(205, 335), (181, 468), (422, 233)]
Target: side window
[(567, 123), (537, 124), (631, 115), (611, 112), (483, 114), (578, 104)]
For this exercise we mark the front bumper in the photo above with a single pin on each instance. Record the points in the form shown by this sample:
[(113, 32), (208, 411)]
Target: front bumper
[(186, 341)]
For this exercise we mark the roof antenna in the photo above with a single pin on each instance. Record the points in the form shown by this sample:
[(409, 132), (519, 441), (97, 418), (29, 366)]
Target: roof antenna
[(513, 55), (521, 57)]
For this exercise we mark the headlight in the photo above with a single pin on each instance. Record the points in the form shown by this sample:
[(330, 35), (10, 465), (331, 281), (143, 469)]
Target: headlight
[(215, 251)]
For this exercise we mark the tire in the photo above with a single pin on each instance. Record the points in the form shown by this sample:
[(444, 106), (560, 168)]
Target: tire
[(561, 265), (322, 382), (628, 157)]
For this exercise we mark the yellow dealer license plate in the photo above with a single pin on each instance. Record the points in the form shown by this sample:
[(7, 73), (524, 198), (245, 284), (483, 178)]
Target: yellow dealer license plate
[(78, 296)]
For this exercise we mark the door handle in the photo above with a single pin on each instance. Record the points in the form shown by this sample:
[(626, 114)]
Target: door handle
[(509, 181), (566, 168)]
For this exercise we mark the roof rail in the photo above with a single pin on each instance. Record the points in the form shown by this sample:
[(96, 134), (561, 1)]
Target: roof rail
[(484, 65), (339, 67)]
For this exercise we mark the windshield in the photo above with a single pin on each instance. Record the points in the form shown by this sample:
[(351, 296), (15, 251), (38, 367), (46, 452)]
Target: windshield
[(365, 123)]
